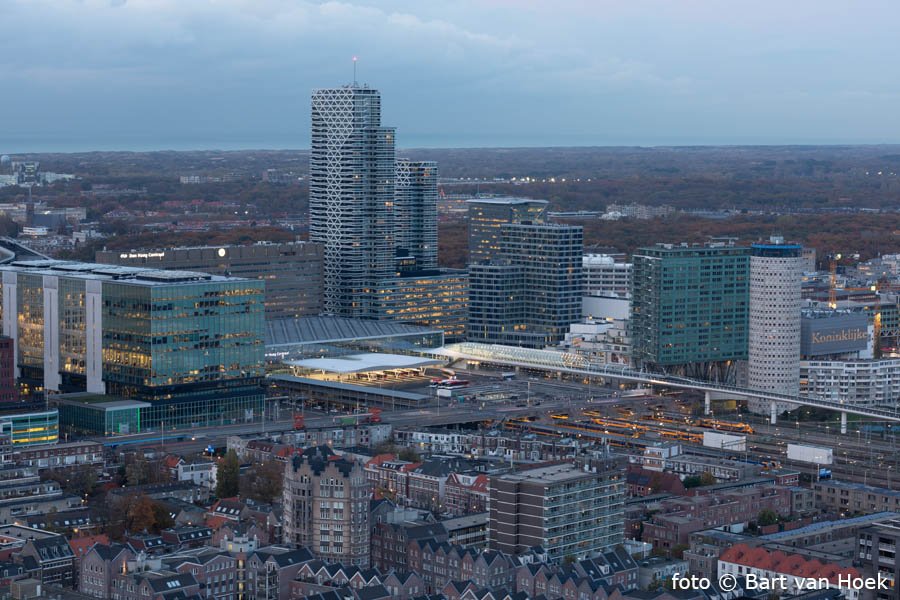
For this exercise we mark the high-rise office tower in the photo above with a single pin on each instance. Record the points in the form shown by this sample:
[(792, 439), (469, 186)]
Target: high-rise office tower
[(776, 271), (689, 307), (525, 285), (376, 218), (488, 215), (415, 211), (351, 196)]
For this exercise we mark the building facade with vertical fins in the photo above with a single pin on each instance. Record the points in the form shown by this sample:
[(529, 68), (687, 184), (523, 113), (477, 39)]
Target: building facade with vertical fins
[(415, 211), (190, 344)]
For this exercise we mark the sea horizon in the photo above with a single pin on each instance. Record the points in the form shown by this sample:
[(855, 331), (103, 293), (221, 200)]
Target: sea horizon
[(45, 144)]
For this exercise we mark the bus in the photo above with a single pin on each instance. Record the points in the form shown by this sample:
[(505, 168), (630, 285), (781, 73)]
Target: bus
[(452, 383)]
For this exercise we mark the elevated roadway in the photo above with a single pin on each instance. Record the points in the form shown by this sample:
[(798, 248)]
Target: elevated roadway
[(567, 362)]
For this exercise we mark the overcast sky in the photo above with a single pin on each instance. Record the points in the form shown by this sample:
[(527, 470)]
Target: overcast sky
[(156, 74)]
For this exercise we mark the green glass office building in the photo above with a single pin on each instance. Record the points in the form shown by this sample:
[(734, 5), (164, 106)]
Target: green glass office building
[(189, 344), (690, 308), (31, 429), (88, 414)]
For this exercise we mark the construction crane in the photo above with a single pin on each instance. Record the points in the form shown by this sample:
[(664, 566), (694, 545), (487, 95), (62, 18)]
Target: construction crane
[(832, 287), (876, 335), (876, 323)]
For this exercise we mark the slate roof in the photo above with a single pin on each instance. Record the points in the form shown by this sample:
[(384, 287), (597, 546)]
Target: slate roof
[(53, 548)]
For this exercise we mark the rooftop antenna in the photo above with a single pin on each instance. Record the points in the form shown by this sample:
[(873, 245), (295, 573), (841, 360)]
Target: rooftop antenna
[(354, 69)]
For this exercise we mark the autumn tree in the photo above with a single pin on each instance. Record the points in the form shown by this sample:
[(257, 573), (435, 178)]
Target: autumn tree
[(264, 482), (707, 478), (139, 471), (766, 517), (228, 475), (79, 481)]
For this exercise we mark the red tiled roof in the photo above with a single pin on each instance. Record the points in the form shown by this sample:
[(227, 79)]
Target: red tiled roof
[(172, 461), (214, 522), (81, 545), (789, 564), (380, 459), (479, 484), (285, 451)]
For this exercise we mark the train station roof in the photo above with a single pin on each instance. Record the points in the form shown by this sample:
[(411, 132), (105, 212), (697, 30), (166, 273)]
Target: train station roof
[(360, 363), (325, 329)]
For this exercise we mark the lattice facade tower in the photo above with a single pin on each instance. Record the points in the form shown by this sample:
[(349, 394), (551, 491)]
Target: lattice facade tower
[(351, 196)]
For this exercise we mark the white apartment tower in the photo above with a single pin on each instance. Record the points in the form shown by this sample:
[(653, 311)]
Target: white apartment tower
[(351, 196), (776, 271)]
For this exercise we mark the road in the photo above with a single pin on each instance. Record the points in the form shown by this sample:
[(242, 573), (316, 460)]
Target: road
[(425, 417)]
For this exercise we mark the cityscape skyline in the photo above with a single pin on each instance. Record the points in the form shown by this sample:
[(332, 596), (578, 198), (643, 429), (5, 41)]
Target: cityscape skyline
[(481, 374)]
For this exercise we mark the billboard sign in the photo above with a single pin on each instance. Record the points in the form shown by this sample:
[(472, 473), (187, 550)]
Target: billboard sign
[(838, 334)]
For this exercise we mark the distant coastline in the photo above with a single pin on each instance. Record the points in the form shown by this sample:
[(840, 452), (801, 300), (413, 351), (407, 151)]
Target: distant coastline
[(43, 144)]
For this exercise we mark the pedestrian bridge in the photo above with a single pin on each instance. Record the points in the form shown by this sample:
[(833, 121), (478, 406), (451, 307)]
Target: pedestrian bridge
[(568, 362)]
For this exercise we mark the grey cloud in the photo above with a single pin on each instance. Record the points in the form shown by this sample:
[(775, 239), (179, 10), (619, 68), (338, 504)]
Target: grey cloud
[(463, 72)]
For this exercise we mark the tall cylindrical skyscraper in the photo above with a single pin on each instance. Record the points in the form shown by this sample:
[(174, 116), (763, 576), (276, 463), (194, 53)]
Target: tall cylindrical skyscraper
[(774, 344)]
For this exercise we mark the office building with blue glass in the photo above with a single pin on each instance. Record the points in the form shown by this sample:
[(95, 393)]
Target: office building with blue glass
[(189, 344)]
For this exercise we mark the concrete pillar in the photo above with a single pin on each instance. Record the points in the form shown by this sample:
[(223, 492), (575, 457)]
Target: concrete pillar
[(11, 314), (707, 403), (52, 378), (93, 315), (773, 415), (843, 423)]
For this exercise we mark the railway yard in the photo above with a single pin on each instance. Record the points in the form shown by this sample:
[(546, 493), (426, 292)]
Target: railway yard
[(572, 409), (866, 454)]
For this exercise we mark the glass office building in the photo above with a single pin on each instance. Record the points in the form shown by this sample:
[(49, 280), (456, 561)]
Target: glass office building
[(436, 299), (486, 218), (530, 292), (31, 429), (88, 414), (690, 306), (190, 344), (292, 270)]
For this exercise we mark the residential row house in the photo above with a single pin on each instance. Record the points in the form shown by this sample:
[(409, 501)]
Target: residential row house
[(60, 456), (587, 579), (236, 569), (851, 498), (318, 577), (448, 485), (493, 443), (201, 472), (440, 562)]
